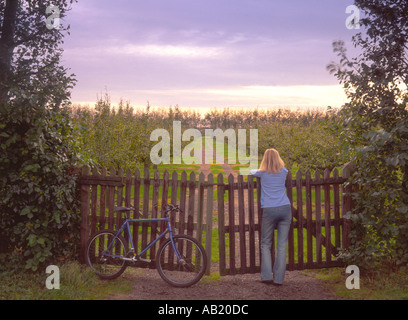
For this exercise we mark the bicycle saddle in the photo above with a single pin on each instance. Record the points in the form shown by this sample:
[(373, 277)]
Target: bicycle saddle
[(124, 209)]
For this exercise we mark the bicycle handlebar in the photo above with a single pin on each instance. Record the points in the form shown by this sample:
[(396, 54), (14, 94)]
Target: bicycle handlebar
[(169, 207)]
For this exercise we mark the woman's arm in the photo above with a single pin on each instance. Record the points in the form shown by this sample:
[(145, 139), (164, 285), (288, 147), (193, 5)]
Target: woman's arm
[(255, 172)]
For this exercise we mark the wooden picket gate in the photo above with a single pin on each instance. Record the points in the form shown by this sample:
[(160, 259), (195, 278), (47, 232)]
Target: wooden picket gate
[(224, 215), (310, 245)]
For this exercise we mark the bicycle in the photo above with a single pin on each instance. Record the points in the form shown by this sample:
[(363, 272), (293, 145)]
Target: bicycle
[(180, 260)]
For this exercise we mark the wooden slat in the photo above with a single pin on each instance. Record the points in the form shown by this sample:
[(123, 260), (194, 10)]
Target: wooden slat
[(174, 181), (94, 203), (257, 227), (100, 180), (327, 228), (155, 203), (299, 203), (259, 212), (231, 220), (183, 196), (200, 206), (116, 181), (321, 181), (118, 219), (309, 238), (84, 233), (221, 224), (102, 205), (119, 202), (251, 220), (164, 201), (145, 213), (209, 216), (111, 202), (241, 213), (191, 202), (136, 205), (128, 188), (291, 242), (318, 213), (336, 192)]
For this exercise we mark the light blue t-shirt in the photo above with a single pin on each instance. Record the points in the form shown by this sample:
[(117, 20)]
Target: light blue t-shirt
[(273, 191)]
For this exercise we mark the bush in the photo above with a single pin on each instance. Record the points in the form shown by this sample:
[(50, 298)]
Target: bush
[(374, 132), (39, 218)]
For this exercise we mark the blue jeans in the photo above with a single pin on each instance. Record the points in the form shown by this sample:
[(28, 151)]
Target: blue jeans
[(279, 217)]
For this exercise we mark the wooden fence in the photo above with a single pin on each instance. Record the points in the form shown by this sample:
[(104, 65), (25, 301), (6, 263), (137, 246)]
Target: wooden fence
[(224, 214)]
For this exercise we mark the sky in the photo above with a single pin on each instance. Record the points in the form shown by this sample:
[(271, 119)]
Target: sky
[(205, 54)]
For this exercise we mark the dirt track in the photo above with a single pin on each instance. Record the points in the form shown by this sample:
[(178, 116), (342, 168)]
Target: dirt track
[(149, 286)]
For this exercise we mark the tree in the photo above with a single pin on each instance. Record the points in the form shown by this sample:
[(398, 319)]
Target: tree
[(375, 129), (39, 221), (30, 52)]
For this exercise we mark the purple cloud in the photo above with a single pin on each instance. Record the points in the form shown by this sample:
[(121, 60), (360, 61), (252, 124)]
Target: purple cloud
[(145, 50)]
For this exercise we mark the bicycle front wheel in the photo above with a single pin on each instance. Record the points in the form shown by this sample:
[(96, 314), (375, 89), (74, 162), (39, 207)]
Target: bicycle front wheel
[(105, 254), (186, 270)]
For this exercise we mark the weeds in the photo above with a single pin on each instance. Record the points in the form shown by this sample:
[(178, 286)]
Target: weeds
[(77, 282)]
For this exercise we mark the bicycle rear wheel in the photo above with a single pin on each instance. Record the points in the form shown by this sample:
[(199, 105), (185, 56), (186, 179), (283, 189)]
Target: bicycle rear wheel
[(103, 256), (186, 271)]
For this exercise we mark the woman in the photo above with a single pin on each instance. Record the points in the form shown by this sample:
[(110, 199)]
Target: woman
[(276, 213)]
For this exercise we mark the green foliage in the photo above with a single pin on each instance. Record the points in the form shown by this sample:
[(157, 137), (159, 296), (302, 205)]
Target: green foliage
[(120, 137), (309, 147), (114, 138), (303, 137), (30, 53), (39, 218), (375, 130)]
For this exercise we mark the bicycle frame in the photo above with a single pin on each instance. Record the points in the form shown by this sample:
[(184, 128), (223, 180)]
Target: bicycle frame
[(126, 226)]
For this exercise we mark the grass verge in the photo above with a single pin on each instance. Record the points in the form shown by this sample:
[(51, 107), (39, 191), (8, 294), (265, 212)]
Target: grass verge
[(381, 286), (77, 282)]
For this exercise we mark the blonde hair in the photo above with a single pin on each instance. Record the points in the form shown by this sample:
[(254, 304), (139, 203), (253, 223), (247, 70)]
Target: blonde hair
[(271, 162)]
